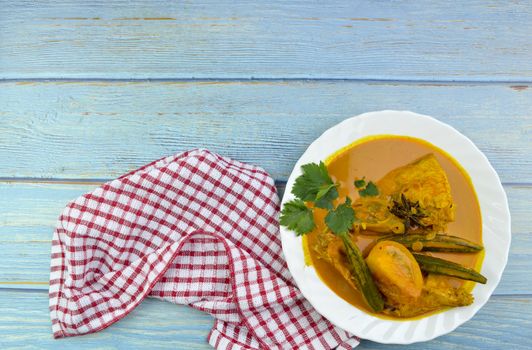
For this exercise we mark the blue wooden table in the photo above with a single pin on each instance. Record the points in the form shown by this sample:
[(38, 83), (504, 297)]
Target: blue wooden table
[(92, 89)]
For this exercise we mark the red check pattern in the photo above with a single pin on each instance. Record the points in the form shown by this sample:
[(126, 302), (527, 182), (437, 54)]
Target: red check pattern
[(196, 229)]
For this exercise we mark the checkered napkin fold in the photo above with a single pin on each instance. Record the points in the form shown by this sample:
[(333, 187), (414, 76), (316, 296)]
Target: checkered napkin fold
[(196, 229)]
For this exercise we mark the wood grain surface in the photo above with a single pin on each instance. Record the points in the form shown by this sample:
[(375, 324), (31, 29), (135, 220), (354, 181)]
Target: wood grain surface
[(427, 40), (156, 324), (103, 129), (90, 90)]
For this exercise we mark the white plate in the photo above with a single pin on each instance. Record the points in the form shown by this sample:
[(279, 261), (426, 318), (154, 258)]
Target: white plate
[(496, 230)]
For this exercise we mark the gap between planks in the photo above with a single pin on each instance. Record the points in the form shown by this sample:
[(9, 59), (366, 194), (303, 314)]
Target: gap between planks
[(520, 84), (99, 181), (41, 290)]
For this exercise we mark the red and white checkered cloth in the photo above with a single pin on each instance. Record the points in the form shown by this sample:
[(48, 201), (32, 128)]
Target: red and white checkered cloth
[(196, 229)]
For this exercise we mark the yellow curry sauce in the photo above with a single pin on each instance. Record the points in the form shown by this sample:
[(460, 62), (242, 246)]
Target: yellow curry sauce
[(372, 158)]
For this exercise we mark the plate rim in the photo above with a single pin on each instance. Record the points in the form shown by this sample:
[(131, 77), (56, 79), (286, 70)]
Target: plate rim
[(287, 236)]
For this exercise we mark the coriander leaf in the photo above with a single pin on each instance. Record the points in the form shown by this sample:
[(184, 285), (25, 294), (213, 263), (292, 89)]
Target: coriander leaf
[(325, 201), (341, 219), (324, 189), (315, 185), (360, 183), (371, 190), (298, 217)]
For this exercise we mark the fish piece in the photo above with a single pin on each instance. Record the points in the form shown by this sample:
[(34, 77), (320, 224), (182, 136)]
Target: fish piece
[(437, 293), (423, 181), (373, 215)]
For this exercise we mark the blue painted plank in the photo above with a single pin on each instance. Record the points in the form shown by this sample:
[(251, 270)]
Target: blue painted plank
[(452, 40), (103, 129), (25, 323), (155, 324), (29, 212)]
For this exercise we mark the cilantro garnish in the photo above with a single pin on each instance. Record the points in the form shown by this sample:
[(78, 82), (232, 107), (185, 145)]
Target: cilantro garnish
[(367, 190), (315, 185), (360, 183), (371, 190), (340, 220), (297, 217)]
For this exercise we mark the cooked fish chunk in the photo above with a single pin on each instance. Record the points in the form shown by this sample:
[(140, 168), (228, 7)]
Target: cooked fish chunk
[(437, 293), (423, 181)]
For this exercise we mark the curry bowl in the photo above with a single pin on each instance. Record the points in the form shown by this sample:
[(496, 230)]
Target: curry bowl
[(337, 302)]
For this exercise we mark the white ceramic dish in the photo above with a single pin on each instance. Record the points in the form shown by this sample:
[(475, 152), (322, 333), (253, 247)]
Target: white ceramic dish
[(495, 227)]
